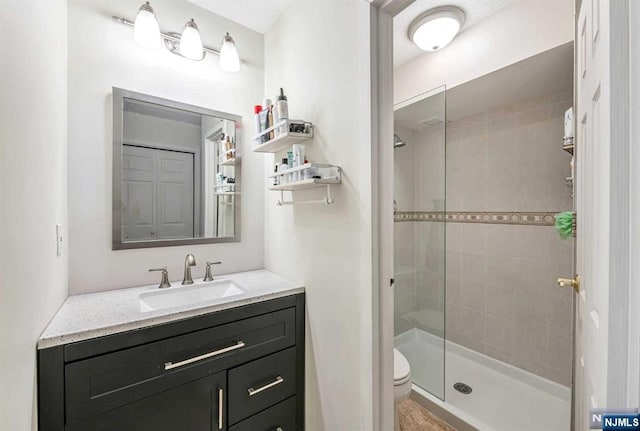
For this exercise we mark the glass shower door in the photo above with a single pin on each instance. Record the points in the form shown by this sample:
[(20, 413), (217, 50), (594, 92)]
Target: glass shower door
[(419, 235)]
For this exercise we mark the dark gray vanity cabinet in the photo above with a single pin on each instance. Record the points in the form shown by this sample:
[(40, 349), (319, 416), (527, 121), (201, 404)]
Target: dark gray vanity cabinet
[(239, 369)]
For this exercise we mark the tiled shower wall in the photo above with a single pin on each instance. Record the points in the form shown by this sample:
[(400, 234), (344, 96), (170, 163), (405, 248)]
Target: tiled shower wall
[(501, 293)]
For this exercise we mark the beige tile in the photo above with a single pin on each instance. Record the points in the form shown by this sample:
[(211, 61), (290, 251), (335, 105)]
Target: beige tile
[(499, 301), (504, 270), (474, 237), (501, 111), (530, 349), (474, 267), (531, 310), (501, 355), (472, 295), (453, 323), (453, 290), (500, 333), (536, 276), (562, 96), (560, 322), (533, 103), (453, 265), (473, 325)]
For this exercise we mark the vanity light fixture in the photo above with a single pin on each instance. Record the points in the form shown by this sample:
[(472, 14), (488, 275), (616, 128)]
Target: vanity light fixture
[(229, 59), (436, 28), (191, 42), (147, 33)]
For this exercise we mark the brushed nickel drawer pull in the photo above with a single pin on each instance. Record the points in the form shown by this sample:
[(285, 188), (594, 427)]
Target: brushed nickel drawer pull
[(220, 408), (170, 365), (279, 429), (276, 382)]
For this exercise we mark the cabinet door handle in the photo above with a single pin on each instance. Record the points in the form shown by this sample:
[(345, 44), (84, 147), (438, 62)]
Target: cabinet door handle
[(279, 429), (220, 408), (170, 365), (276, 382)]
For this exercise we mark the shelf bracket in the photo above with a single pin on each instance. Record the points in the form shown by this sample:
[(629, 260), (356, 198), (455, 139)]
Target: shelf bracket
[(328, 199)]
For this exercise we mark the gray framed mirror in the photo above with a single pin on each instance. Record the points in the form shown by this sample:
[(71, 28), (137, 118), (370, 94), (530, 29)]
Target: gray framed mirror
[(176, 173)]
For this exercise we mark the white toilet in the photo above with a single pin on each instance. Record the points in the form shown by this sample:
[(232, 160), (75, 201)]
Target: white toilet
[(401, 382)]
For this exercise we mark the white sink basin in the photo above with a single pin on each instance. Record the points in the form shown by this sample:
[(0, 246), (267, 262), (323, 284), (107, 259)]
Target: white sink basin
[(181, 296)]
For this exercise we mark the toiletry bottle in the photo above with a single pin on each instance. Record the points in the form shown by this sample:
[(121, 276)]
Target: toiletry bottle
[(229, 148), (298, 158), (275, 179), (271, 134), (256, 110), (283, 167), (282, 106), (264, 124)]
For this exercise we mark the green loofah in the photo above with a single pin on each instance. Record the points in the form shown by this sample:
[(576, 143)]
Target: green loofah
[(564, 224)]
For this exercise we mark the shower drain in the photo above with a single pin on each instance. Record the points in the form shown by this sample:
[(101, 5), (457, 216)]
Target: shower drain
[(463, 388)]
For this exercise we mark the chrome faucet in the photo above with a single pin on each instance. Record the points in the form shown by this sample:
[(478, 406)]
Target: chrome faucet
[(189, 261), (164, 282), (207, 273)]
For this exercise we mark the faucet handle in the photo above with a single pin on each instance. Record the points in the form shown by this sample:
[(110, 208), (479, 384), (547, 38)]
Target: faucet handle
[(164, 282), (207, 272)]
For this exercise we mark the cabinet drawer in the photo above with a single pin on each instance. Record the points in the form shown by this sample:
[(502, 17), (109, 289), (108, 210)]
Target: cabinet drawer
[(109, 381), (281, 417), (194, 406), (260, 384)]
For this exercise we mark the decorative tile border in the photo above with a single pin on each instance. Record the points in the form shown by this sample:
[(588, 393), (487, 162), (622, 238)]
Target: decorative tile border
[(516, 218)]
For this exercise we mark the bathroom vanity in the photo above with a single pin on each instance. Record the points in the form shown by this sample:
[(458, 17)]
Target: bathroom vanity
[(109, 361)]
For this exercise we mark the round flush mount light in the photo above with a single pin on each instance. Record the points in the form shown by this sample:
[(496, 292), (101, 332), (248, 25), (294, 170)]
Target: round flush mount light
[(436, 28)]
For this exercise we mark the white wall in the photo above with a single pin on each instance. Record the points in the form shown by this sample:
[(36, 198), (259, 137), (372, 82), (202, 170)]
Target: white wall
[(102, 54), (33, 192), (519, 31), (318, 51)]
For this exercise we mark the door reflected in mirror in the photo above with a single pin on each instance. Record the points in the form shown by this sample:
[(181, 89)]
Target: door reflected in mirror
[(176, 173)]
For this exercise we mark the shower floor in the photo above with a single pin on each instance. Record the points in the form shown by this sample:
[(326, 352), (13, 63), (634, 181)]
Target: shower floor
[(504, 398)]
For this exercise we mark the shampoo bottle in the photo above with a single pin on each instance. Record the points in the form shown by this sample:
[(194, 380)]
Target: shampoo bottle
[(282, 107)]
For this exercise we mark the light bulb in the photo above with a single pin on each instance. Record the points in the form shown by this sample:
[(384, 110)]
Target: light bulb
[(229, 59), (146, 31), (190, 42)]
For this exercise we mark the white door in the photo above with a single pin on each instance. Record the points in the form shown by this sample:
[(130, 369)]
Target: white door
[(600, 360), (139, 215), (175, 195), (157, 192)]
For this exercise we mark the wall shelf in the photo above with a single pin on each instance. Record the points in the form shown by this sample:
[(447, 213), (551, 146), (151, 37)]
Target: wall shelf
[(327, 175), (283, 140), (229, 162), (305, 184)]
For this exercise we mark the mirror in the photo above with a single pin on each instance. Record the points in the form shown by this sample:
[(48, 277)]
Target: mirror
[(176, 173)]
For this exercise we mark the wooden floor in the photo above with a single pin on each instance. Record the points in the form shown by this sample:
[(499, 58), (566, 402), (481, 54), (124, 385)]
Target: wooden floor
[(414, 417)]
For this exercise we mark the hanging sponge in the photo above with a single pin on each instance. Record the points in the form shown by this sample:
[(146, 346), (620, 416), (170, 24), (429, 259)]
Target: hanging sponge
[(564, 224)]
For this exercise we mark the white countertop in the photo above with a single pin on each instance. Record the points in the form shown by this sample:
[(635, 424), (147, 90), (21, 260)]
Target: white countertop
[(82, 317)]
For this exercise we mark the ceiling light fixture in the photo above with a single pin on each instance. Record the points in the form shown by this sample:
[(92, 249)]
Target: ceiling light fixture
[(191, 42), (436, 28), (146, 32), (229, 59)]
